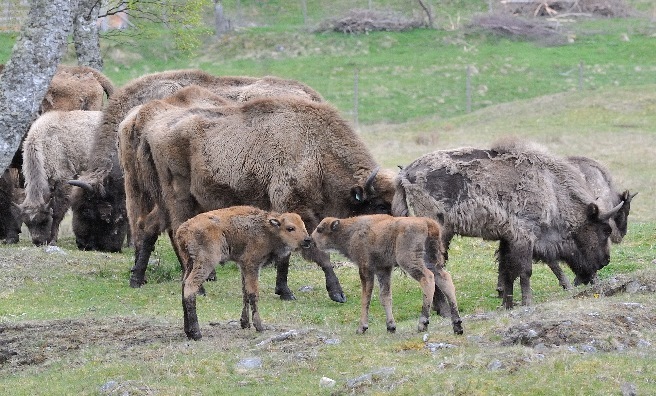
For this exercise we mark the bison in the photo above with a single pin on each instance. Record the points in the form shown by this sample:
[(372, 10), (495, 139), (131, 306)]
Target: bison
[(536, 205), (249, 236), (55, 150), (99, 213), (10, 224), (378, 243), (284, 154)]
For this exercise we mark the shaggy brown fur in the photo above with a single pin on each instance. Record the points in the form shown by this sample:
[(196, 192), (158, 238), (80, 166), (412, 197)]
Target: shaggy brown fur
[(249, 236), (103, 183), (285, 154), (378, 243), (535, 204), (56, 149), (77, 88)]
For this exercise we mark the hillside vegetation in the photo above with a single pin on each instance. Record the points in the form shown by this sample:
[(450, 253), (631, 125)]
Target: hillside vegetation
[(70, 324)]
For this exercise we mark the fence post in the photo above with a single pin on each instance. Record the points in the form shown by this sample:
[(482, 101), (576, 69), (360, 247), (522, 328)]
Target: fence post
[(356, 78), (468, 89)]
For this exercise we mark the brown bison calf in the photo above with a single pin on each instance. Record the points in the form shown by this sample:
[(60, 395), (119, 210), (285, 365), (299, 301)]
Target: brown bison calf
[(377, 243), (249, 236)]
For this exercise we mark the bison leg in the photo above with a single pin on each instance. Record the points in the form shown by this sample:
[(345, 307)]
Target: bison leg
[(250, 294), (385, 282), (282, 289), (141, 257), (367, 283), (445, 285), (515, 260), (333, 286), (558, 271)]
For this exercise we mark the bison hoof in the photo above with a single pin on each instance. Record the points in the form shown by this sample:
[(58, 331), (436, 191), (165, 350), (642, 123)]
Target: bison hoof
[(391, 328), (361, 329), (137, 283), (457, 327), (194, 335), (287, 296), (338, 297), (423, 324)]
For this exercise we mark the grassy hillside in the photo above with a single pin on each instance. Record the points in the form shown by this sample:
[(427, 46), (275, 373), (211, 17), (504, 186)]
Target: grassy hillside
[(70, 324)]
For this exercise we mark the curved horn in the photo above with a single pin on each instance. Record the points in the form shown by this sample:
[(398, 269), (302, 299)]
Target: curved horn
[(83, 185), (369, 183), (610, 213)]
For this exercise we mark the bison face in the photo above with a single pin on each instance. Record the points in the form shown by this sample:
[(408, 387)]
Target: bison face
[(375, 197), (324, 235), (291, 230), (38, 219), (592, 242)]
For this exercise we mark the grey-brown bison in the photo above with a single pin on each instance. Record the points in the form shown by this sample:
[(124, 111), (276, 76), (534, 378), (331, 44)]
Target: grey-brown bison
[(55, 150), (378, 243), (536, 205), (284, 154), (249, 236), (99, 213)]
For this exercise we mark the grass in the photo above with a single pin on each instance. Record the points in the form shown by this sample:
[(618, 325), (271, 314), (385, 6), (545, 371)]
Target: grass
[(99, 336)]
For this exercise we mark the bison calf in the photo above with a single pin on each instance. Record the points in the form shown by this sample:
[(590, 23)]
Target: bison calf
[(249, 236), (377, 243)]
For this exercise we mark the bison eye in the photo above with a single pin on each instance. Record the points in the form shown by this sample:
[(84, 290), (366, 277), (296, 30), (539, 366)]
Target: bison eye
[(290, 229)]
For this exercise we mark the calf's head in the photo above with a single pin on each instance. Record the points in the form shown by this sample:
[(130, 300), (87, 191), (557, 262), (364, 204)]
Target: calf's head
[(324, 236), (291, 230), (592, 245)]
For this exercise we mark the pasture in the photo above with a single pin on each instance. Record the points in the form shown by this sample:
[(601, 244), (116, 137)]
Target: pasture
[(70, 324)]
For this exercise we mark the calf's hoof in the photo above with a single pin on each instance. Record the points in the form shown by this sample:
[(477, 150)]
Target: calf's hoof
[(391, 327), (423, 324), (361, 329)]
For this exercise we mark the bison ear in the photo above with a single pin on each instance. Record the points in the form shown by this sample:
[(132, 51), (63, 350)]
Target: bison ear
[(358, 193), (274, 222), (593, 211), (334, 225)]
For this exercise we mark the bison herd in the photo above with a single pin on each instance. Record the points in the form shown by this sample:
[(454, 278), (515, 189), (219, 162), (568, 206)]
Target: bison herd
[(242, 168)]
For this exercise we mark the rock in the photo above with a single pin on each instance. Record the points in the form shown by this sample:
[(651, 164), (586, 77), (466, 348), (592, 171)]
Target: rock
[(628, 389), (54, 249), (108, 387), (434, 346), (326, 382), (331, 341), (588, 349), (250, 363), (495, 365), (306, 289)]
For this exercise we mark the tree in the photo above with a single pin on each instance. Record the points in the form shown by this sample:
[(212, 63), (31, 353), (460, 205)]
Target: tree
[(85, 34)]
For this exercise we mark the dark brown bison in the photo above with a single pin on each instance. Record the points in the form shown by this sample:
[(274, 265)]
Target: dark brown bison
[(10, 224), (246, 235), (55, 150), (99, 213), (377, 244), (535, 204), (284, 154)]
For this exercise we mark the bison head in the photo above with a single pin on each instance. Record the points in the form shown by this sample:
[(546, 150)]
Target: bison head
[(375, 196), (99, 215), (289, 227), (592, 251), (621, 217), (38, 219)]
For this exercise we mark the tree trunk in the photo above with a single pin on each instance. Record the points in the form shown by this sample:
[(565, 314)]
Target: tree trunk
[(85, 34), (29, 71)]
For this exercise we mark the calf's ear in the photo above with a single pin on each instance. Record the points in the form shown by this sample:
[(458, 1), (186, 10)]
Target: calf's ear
[(274, 222), (334, 225)]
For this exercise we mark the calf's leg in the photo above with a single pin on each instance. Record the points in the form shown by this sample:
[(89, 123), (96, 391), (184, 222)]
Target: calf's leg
[(385, 282), (367, 283), (250, 290)]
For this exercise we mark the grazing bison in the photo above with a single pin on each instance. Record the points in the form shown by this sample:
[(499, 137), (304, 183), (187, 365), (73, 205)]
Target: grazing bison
[(535, 204), (55, 150), (284, 154), (249, 236), (10, 224), (378, 243), (99, 213)]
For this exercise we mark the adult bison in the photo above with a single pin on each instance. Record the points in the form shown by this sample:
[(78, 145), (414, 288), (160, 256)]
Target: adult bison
[(99, 213), (536, 205), (284, 154), (55, 150)]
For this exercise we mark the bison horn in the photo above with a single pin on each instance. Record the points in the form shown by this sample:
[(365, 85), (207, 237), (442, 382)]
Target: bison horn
[(83, 185), (369, 183), (611, 213)]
